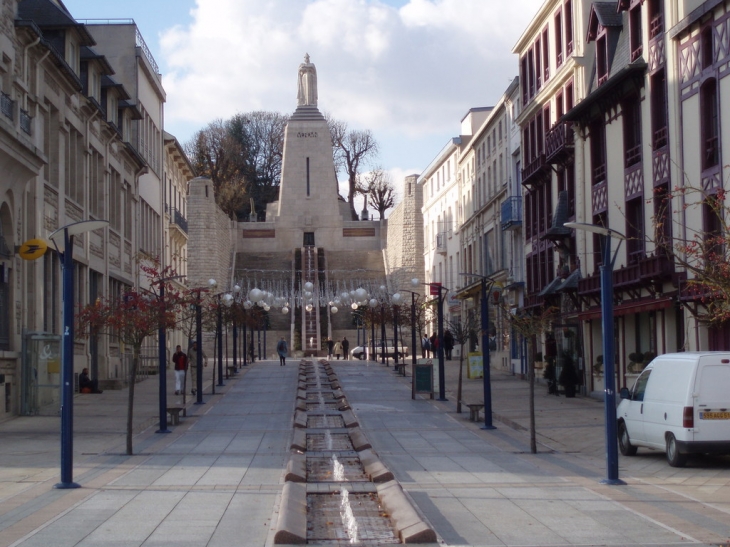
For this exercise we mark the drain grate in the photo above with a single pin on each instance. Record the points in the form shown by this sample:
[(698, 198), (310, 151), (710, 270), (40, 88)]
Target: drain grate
[(327, 441), (325, 422), (327, 406), (335, 469), (344, 517)]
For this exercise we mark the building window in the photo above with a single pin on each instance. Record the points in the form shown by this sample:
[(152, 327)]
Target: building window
[(538, 66), (706, 48), (601, 59), (559, 38), (663, 218), (545, 55), (709, 123), (713, 230), (635, 31), (566, 183), (598, 152), (568, 11), (523, 80), (659, 109), (656, 18), (598, 240), (635, 229), (531, 73), (632, 131)]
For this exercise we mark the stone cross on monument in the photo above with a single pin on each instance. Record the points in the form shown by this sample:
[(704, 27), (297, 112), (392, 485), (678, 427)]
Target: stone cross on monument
[(307, 93)]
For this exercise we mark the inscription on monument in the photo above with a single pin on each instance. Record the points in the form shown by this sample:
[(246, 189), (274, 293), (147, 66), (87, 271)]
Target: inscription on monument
[(307, 135)]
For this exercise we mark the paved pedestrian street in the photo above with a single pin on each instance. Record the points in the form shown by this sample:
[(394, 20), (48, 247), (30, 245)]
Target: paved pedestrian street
[(217, 478)]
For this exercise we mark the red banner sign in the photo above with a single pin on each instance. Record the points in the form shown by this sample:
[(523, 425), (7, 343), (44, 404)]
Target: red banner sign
[(435, 289)]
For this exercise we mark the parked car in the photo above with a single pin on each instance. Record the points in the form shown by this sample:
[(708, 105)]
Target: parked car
[(680, 403), (363, 352)]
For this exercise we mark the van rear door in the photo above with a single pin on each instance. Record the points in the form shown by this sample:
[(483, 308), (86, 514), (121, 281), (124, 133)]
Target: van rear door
[(712, 399)]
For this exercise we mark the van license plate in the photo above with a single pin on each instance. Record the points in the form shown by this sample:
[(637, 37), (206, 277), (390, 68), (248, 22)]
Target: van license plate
[(714, 415)]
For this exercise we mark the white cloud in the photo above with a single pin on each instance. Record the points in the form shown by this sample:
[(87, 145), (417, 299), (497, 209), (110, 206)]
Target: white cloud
[(405, 73)]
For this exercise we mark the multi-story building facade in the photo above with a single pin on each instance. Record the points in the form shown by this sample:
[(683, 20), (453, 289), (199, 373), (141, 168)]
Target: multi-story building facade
[(447, 195), (177, 174), (550, 51), (608, 141), (697, 49), (490, 222), (74, 145)]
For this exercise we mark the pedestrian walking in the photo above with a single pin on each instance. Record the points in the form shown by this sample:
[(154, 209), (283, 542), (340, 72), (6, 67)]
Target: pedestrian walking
[(425, 346), (282, 350), (346, 347), (180, 360), (193, 358), (330, 347), (434, 340), (338, 349), (448, 343)]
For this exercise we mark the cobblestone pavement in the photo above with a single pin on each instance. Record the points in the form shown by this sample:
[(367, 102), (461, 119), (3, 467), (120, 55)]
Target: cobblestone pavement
[(216, 479)]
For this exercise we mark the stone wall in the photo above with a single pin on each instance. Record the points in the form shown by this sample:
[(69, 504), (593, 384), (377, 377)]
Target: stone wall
[(404, 250), (210, 237)]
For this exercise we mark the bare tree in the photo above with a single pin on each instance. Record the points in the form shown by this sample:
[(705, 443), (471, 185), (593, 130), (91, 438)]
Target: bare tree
[(243, 158), (703, 253), (531, 325), (462, 331), (381, 192), (352, 149)]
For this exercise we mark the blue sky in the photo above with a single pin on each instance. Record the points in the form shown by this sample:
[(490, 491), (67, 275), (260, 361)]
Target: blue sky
[(408, 70)]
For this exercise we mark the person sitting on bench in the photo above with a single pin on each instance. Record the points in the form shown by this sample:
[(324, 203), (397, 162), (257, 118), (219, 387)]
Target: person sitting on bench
[(86, 384)]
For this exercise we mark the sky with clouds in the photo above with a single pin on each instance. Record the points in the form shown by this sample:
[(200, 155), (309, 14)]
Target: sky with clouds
[(408, 70)]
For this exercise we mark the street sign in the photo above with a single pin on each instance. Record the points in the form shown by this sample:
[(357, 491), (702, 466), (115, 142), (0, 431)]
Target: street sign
[(435, 289), (32, 249)]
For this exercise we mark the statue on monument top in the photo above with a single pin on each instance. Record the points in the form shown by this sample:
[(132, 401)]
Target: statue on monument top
[(307, 93)]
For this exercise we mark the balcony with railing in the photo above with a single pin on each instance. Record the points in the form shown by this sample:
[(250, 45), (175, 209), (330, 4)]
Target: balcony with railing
[(535, 171), (512, 213), (178, 220), (7, 106), (660, 138), (656, 25), (441, 243), (559, 142), (643, 273)]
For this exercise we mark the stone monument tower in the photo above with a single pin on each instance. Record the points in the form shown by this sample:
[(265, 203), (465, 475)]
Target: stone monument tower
[(308, 197), (309, 251)]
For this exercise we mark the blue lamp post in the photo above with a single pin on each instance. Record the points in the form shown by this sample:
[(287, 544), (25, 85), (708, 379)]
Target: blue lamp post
[(63, 239), (162, 356), (486, 361), (606, 272)]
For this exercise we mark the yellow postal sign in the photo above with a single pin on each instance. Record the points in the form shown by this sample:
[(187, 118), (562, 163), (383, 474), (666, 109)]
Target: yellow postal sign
[(32, 249)]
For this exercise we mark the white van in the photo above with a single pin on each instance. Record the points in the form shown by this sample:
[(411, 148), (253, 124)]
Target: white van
[(681, 404)]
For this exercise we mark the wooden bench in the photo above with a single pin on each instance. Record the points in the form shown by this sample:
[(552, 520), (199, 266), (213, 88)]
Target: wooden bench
[(231, 369), (400, 368), (474, 409), (174, 413)]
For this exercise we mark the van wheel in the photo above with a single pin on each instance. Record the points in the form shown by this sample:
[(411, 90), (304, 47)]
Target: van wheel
[(624, 442), (674, 457)]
